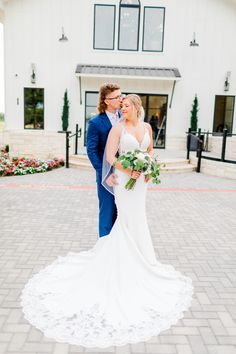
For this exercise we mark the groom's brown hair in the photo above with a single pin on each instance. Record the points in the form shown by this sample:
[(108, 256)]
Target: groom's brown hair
[(104, 91)]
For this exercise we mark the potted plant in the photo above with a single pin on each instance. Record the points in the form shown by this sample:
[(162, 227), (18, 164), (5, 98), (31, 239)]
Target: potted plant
[(65, 113), (193, 124)]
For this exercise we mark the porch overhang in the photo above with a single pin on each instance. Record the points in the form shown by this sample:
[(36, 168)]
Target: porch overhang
[(127, 72)]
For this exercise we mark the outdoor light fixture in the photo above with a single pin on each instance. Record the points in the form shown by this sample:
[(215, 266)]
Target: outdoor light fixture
[(33, 76), (193, 43), (63, 36), (226, 83)]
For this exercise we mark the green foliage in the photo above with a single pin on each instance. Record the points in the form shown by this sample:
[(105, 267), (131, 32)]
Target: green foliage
[(34, 108), (140, 161), (125, 164), (1, 116), (194, 113), (65, 113), (21, 166)]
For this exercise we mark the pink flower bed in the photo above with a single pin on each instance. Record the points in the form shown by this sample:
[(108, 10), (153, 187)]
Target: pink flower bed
[(21, 166)]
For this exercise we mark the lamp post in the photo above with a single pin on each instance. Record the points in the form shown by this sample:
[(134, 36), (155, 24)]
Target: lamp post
[(193, 43), (33, 75), (63, 37), (226, 83)]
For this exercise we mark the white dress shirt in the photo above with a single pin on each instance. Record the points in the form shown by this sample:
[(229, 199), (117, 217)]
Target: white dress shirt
[(113, 117)]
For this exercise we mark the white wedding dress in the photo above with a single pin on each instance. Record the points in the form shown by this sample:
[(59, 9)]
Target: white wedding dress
[(115, 293)]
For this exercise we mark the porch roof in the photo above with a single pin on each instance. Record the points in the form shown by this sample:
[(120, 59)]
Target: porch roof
[(135, 72)]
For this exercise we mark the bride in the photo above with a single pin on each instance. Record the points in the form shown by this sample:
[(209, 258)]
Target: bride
[(117, 292)]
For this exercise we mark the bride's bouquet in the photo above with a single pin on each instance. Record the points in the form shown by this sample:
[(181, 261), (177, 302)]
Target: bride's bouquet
[(140, 161)]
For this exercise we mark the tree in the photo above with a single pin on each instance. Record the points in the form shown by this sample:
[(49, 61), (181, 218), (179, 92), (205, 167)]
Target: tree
[(1, 116), (194, 113), (65, 113)]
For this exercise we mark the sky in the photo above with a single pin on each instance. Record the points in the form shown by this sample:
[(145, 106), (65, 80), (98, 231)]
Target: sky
[(2, 109)]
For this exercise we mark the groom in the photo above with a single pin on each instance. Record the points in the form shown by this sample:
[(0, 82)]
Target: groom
[(98, 130)]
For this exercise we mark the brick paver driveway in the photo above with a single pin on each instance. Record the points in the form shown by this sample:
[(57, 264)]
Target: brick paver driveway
[(193, 223)]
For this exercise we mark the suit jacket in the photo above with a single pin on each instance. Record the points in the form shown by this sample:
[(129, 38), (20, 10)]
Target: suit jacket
[(97, 133)]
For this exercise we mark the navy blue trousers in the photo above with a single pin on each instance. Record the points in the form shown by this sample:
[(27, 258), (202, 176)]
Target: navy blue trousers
[(107, 210)]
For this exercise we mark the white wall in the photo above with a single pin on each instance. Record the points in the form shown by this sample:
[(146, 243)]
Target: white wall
[(33, 27), (2, 97)]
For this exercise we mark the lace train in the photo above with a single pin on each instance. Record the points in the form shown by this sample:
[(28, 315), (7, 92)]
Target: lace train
[(115, 293), (91, 326)]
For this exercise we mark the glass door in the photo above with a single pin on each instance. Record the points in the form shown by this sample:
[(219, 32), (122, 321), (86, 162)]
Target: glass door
[(155, 107), (224, 112)]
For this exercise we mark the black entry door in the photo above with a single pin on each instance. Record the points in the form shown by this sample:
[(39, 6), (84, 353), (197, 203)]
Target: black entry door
[(224, 113), (155, 107)]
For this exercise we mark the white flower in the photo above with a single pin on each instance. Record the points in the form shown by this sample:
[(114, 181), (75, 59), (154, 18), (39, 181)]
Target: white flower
[(141, 156)]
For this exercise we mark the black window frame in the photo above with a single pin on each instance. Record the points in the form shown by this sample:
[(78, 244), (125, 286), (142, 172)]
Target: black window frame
[(94, 26), (164, 14), (34, 88), (232, 129), (138, 29), (85, 106), (147, 108)]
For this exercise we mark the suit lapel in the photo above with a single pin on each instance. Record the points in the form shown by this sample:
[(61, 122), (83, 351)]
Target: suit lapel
[(106, 121)]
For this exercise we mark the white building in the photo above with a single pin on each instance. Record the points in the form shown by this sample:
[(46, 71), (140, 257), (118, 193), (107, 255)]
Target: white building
[(147, 46)]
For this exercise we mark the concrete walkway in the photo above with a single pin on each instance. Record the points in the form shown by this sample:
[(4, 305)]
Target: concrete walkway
[(192, 218)]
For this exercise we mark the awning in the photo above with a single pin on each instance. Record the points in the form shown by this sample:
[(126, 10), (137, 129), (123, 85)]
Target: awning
[(128, 72), (135, 72)]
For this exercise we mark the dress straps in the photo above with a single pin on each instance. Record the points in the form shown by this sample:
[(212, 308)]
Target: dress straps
[(145, 127), (123, 128)]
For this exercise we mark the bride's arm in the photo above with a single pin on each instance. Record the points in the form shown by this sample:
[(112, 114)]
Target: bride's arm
[(150, 147), (112, 147)]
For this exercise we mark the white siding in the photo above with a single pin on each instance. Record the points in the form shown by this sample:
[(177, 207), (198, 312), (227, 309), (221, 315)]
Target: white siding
[(33, 27)]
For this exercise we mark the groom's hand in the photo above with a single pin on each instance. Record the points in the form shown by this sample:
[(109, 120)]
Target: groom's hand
[(112, 180)]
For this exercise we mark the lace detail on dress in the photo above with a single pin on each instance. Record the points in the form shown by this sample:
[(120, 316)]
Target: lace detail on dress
[(115, 293), (129, 142), (91, 327)]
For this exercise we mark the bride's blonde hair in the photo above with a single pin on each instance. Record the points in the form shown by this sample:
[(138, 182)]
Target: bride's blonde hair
[(136, 102)]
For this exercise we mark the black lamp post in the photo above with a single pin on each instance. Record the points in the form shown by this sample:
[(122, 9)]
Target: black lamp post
[(63, 36)]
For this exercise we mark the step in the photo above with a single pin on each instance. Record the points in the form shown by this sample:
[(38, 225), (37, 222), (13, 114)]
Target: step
[(80, 157), (168, 166), (177, 161), (178, 168), (78, 163)]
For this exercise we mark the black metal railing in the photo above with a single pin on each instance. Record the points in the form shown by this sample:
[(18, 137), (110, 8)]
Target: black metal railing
[(77, 135), (199, 142), (195, 143)]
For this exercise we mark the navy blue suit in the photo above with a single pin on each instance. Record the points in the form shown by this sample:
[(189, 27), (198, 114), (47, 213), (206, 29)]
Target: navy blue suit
[(98, 130)]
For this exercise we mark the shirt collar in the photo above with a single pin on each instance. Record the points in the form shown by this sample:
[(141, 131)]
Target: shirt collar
[(112, 115)]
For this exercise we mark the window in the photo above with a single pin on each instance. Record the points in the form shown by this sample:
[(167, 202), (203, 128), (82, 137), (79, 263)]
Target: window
[(91, 101), (104, 26), (33, 108), (224, 112), (153, 28), (129, 25), (155, 107)]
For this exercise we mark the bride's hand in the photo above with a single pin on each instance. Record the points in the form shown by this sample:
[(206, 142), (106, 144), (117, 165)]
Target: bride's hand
[(112, 180), (135, 174), (147, 178)]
